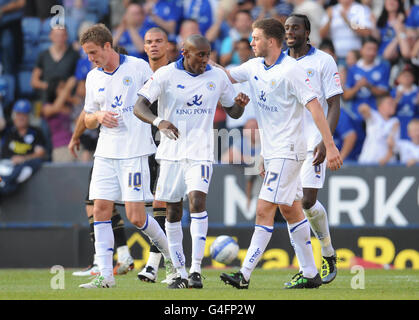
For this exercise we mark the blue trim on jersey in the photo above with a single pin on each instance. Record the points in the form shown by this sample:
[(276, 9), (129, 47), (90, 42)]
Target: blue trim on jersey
[(293, 229), (310, 51), (179, 65), (278, 61), (122, 59), (265, 228)]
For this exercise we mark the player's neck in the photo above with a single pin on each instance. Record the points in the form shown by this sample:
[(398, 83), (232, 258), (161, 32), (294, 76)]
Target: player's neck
[(299, 52), (113, 63), (156, 64), (273, 56)]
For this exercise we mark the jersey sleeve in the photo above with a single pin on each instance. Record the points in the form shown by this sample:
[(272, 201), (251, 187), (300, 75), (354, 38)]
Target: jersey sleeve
[(153, 87), (300, 84), (331, 78), (89, 103), (227, 92), (241, 72), (146, 71)]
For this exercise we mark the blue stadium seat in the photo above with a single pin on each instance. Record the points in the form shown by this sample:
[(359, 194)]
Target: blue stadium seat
[(45, 30), (31, 28), (30, 54), (72, 29), (25, 88), (10, 91)]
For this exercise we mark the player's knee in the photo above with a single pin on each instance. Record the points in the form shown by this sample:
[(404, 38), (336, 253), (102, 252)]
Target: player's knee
[(138, 220), (196, 204), (308, 203)]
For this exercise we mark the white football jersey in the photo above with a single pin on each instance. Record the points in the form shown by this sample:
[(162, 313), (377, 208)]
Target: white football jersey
[(324, 77), (117, 92), (281, 92), (189, 102)]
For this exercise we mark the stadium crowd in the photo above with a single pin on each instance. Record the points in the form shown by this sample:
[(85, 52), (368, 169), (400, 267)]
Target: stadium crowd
[(43, 68)]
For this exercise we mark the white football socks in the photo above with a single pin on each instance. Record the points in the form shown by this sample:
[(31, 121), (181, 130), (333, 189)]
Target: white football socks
[(104, 246), (152, 229), (299, 233), (199, 230), (174, 238), (317, 217), (260, 239)]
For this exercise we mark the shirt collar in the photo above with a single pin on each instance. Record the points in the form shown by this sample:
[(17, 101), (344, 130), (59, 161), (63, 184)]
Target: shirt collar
[(179, 65), (122, 59), (278, 61), (309, 52)]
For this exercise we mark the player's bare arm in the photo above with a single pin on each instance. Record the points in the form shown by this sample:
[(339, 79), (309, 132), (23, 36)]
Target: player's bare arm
[(142, 111), (105, 118), (334, 161), (74, 143), (214, 64), (333, 114), (237, 109)]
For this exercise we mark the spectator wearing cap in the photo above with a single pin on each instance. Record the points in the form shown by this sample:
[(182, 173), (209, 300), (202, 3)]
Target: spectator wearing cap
[(23, 148)]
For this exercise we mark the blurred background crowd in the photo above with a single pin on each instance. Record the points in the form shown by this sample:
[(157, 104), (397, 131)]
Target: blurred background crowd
[(374, 42)]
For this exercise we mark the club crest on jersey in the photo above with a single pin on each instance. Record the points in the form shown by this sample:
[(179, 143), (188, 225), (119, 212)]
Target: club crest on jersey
[(117, 102), (197, 101), (127, 81), (262, 96), (336, 77), (211, 86), (310, 72)]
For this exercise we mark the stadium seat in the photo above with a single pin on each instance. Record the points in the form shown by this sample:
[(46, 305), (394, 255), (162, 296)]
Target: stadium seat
[(25, 88), (31, 28), (10, 91), (30, 54)]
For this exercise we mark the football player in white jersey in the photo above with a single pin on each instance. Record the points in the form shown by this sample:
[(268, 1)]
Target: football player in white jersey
[(283, 92), (187, 92), (120, 169), (322, 71)]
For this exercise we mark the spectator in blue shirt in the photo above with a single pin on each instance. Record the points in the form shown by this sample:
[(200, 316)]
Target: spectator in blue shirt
[(413, 18), (202, 12), (11, 38), (165, 14), (367, 79), (346, 137), (406, 96), (272, 9), (130, 33)]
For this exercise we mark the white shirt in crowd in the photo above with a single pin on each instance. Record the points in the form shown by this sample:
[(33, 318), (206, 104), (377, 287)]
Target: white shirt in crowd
[(375, 145), (342, 36)]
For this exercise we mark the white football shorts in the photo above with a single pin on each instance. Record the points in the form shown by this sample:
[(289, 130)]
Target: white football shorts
[(178, 178), (282, 184), (312, 176), (121, 180)]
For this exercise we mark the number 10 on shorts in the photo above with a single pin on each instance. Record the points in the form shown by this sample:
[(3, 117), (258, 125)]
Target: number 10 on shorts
[(134, 180)]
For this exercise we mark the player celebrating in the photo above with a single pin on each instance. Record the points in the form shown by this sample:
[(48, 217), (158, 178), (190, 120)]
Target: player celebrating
[(322, 71), (155, 46), (120, 169), (187, 91), (282, 90)]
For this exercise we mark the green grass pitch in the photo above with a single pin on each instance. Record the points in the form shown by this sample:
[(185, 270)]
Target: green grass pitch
[(28, 284)]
